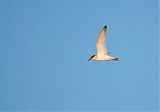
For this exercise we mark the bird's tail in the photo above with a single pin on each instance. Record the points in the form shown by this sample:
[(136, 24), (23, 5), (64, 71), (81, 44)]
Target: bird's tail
[(116, 59)]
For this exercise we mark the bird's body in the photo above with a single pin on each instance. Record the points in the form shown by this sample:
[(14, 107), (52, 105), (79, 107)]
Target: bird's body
[(101, 48), (104, 57)]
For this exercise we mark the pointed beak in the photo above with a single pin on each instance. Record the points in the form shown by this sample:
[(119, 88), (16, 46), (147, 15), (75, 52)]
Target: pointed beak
[(89, 59)]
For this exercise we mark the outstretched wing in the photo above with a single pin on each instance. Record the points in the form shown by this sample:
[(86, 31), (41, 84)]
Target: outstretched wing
[(101, 42)]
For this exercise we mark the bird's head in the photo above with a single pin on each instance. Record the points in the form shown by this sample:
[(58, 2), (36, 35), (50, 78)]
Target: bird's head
[(92, 57)]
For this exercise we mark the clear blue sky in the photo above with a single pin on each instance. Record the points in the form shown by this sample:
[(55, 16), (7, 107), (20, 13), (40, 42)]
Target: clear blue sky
[(45, 45)]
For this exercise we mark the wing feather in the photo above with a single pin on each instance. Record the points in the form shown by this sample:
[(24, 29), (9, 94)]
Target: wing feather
[(101, 42)]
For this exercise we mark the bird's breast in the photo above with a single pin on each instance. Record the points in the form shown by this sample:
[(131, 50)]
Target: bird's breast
[(102, 57)]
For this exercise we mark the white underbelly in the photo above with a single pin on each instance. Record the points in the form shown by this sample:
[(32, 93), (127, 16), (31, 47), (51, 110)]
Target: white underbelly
[(103, 57)]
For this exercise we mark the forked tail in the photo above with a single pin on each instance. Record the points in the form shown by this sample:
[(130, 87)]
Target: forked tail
[(116, 59)]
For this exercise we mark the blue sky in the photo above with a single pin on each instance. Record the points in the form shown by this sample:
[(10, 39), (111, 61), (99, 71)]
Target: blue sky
[(45, 46)]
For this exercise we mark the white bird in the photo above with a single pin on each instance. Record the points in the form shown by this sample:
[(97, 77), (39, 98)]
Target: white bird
[(101, 48)]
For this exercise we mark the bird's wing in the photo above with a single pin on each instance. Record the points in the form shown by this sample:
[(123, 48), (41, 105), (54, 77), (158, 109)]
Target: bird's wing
[(101, 42)]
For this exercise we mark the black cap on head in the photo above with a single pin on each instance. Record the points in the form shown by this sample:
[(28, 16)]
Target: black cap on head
[(91, 57)]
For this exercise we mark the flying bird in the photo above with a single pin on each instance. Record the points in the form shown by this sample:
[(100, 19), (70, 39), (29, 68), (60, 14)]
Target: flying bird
[(102, 53)]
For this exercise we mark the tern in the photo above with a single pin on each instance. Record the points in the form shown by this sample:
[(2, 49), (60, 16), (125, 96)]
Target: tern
[(101, 48)]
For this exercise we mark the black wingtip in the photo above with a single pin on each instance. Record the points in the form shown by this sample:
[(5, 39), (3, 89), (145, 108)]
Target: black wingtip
[(105, 26)]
